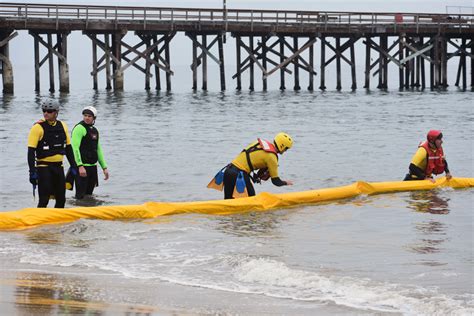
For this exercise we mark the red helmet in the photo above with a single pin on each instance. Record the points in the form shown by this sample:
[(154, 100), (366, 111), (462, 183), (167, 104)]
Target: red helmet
[(434, 135)]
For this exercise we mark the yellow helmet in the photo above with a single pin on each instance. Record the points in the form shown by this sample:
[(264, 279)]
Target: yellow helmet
[(283, 142)]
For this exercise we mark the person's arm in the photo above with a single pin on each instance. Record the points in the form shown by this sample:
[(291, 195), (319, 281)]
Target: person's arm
[(70, 157), (272, 165), (32, 166), (416, 171), (102, 163), (446, 170), (100, 156), (31, 159), (35, 135), (418, 165), (78, 132)]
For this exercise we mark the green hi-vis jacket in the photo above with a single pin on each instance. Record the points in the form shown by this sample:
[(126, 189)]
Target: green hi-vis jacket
[(81, 140)]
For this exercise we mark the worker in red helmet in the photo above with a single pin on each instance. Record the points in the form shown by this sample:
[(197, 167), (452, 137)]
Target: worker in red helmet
[(429, 159)]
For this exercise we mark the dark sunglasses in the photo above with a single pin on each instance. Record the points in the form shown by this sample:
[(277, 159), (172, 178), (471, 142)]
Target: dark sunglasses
[(49, 111)]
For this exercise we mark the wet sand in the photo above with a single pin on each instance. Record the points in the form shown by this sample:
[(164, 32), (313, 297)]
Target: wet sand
[(38, 293), (33, 293)]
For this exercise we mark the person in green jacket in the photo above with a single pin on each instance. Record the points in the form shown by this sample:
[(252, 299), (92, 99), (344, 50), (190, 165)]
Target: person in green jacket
[(87, 152)]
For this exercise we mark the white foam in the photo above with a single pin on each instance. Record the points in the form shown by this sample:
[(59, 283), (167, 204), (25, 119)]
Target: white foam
[(276, 279), (262, 276)]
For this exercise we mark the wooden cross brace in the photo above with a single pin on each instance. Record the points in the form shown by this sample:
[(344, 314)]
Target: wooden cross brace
[(248, 61), (205, 50), (342, 48), (52, 49)]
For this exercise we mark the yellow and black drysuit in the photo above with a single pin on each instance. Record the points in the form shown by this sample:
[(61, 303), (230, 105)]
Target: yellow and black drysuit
[(423, 163), (48, 142), (253, 157)]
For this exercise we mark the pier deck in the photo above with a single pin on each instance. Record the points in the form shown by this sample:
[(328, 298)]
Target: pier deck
[(259, 35)]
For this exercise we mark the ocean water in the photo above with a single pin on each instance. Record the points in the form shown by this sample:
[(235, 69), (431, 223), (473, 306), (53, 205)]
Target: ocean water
[(405, 253)]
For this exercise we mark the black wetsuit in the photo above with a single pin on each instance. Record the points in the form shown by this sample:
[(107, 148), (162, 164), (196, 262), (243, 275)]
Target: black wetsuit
[(230, 178)]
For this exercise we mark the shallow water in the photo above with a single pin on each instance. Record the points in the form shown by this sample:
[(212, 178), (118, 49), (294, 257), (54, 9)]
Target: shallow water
[(409, 253)]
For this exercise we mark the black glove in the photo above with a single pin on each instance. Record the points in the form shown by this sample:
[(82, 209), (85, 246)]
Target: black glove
[(33, 177)]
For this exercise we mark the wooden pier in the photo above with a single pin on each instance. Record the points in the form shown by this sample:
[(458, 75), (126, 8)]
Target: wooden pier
[(266, 41)]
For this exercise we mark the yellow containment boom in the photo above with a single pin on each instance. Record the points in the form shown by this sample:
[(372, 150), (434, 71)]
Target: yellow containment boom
[(31, 217)]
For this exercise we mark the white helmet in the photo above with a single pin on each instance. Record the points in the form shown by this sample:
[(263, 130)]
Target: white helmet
[(90, 110)]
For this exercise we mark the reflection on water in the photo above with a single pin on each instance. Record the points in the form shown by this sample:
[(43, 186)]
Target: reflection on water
[(7, 101), (68, 235), (43, 237), (88, 200), (431, 228), (49, 294), (428, 202), (250, 224), (427, 246), (432, 232)]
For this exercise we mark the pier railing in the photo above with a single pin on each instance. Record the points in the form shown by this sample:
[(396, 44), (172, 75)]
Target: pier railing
[(117, 14), (262, 38)]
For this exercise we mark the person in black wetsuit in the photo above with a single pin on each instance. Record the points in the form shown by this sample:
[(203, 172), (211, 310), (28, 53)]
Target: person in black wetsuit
[(87, 152)]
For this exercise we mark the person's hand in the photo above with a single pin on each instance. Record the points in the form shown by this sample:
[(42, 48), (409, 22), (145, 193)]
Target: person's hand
[(106, 174), (449, 176), (82, 171), (431, 179), (33, 178), (289, 182)]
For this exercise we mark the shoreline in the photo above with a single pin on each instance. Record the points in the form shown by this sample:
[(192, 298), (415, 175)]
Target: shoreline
[(40, 293), (58, 293)]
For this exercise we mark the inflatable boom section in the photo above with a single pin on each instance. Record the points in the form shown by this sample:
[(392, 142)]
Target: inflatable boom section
[(31, 217)]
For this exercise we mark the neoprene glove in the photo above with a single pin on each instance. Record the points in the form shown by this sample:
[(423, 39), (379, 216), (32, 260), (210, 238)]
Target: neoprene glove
[(33, 178)]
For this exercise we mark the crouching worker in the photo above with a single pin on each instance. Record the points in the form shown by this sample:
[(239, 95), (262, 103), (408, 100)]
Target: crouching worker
[(87, 152), (429, 159), (237, 177), (48, 142)]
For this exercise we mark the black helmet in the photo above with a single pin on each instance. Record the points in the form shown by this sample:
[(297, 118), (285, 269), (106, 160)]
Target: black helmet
[(50, 105)]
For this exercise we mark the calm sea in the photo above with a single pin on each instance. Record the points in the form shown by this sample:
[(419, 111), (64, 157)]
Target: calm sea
[(404, 253)]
